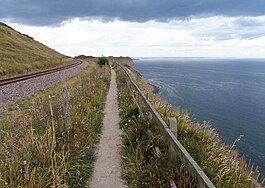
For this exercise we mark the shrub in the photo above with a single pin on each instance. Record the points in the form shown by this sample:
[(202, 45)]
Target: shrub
[(102, 61)]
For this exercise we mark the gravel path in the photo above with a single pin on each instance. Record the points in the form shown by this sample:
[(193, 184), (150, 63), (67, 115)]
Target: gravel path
[(107, 168), (13, 92)]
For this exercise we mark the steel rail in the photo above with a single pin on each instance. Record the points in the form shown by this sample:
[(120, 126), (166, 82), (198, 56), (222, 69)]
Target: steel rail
[(15, 79)]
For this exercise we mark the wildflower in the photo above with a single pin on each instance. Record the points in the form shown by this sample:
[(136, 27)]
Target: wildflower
[(129, 120), (8, 156)]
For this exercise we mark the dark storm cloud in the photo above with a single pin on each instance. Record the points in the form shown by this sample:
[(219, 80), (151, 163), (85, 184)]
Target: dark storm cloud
[(48, 12)]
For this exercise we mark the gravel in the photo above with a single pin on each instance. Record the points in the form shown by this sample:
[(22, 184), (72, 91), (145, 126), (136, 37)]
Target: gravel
[(13, 92)]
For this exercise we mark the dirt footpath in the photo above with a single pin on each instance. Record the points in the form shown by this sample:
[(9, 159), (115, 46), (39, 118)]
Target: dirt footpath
[(107, 168)]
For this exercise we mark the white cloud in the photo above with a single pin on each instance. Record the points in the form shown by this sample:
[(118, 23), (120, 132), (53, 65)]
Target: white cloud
[(197, 37)]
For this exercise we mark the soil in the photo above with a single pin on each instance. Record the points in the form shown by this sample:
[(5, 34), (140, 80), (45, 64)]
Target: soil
[(107, 167)]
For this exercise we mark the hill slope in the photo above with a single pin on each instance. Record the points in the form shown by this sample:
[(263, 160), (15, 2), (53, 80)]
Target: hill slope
[(20, 53)]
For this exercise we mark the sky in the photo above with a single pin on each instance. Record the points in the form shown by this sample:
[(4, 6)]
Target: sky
[(142, 28)]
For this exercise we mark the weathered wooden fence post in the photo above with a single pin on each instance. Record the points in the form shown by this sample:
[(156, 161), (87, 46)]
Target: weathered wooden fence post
[(66, 112), (26, 169), (173, 128), (52, 120), (53, 146), (149, 98)]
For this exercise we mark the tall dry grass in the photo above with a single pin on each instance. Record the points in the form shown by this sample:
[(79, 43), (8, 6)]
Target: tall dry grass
[(20, 53), (34, 153)]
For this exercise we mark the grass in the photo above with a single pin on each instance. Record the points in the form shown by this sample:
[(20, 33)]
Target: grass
[(20, 53), (143, 168), (32, 154)]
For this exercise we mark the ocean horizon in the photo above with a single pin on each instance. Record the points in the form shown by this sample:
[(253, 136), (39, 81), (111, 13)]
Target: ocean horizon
[(227, 92)]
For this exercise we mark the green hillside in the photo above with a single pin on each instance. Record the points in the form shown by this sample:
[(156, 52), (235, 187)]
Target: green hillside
[(20, 53)]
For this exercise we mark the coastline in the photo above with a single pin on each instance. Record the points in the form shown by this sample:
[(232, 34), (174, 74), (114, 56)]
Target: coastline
[(219, 123), (155, 89), (214, 142)]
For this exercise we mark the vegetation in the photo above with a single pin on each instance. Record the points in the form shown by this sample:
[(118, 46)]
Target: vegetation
[(33, 154), (142, 167), (83, 57), (20, 53), (102, 61)]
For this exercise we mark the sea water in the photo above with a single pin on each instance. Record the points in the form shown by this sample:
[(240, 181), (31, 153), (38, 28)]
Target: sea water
[(229, 93)]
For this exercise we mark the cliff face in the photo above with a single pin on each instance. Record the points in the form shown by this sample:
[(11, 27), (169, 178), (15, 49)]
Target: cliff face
[(123, 60)]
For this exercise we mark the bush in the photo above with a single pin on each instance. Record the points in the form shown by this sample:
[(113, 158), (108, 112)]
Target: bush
[(102, 61)]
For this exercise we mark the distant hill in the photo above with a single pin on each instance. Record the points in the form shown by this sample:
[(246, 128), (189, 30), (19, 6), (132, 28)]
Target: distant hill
[(20, 53)]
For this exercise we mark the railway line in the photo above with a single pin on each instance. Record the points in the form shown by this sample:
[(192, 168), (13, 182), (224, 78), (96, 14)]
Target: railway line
[(16, 79)]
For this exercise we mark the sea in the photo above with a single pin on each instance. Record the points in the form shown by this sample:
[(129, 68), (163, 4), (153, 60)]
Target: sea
[(228, 93)]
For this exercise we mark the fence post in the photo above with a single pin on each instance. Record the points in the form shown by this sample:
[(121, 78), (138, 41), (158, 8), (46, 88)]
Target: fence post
[(52, 119), (26, 168), (53, 146), (66, 112), (149, 98), (173, 128)]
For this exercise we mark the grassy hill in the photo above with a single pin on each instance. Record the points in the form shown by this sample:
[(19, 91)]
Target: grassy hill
[(20, 53)]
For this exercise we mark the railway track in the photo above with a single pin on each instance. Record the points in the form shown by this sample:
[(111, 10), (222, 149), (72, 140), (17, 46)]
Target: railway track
[(15, 79)]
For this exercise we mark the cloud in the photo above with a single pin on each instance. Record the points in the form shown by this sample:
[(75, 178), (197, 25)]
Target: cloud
[(51, 12), (248, 21), (216, 36)]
